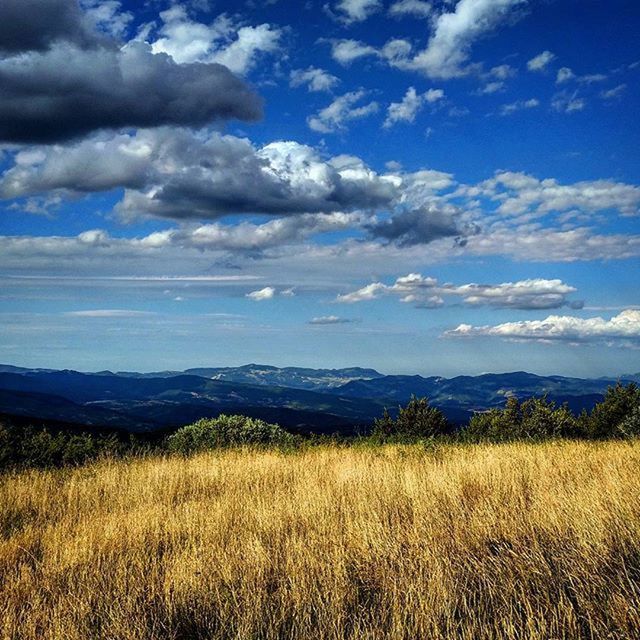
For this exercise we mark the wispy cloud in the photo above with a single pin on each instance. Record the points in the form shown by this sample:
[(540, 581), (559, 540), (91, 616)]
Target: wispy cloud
[(109, 313), (324, 320)]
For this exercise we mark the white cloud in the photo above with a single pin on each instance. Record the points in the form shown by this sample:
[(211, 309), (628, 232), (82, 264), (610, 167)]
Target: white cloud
[(620, 329), (340, 111), (564, 75), (241, 55), (553, 245), (346, 51), (519, 193), (357, 10), (412, 102), (417, 8), (223, 41), (492, 87), (315, 79), (537, 293), (109, 313), (455, 32), (427, 292), (508, 109), (568, 102), (250, 237), (324, 320), (502, 72), (540, 62), (612, 94), (266, 293), (368, 292)]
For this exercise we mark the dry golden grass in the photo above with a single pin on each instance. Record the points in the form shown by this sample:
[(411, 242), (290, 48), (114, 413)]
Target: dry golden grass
[(513, 541)]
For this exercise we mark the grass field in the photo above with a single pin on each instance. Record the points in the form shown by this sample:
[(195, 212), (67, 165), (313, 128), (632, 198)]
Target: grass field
[(485, 541)]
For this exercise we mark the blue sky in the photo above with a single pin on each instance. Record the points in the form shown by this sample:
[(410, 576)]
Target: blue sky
[(423, 187)]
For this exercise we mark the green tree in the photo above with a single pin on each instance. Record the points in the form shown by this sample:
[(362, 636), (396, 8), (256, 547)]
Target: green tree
[(535, 418), (607, 416), (418, 419)]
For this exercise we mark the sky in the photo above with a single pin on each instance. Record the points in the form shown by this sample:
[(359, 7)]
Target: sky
[(437, 187)]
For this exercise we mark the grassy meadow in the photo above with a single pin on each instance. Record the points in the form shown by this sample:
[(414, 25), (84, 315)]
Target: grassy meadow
[(514, 541)]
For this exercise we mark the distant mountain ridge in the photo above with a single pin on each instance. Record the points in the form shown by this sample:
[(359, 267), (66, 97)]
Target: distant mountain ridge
[(319, 400), (261, 374)]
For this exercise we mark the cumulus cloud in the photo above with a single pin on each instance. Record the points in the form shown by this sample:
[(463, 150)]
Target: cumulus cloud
[(417, 8), (455, 32), (266, 293), (427, 292), (621, 329), (412, 102), (65, 92), (541, 61), (65, 72), (342, 110), (346, 51), (323, 320), (520, 193), (314, 79), (350, 11), (237, 47), (535, 293), (178, 174)]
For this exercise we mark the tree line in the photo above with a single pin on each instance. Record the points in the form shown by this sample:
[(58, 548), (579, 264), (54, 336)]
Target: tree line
[(616, 416)]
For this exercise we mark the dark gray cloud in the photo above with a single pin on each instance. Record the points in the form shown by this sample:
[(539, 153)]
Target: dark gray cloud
[(175, 173), (65, 92), (422, 226), (228, 175), (33, 25)]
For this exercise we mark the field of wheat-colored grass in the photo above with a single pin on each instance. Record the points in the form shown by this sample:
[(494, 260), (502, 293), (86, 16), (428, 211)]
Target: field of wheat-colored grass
[(487, 541)]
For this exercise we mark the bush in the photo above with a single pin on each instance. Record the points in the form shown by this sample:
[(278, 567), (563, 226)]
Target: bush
[(607, 416), (535, 418), (417, 420), (226, 431), (40, 447)]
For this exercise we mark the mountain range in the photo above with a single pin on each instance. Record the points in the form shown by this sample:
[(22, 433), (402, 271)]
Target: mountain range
[(302, 399)]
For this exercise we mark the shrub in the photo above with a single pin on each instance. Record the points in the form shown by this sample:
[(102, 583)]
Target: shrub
[(417, 420), (41, 447), (607, 416), (226, 431)]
